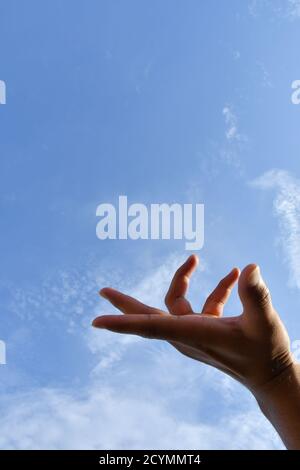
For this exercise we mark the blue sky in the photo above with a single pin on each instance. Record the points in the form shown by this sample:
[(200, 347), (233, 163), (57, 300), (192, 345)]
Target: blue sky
[(164, 102)]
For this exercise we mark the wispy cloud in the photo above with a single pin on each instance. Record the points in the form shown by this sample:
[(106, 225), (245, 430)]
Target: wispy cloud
[(280, 9), (106, 419), (230, 151), (137, 393), (266, 80), (287, 209), (293, 9), (231, 124)]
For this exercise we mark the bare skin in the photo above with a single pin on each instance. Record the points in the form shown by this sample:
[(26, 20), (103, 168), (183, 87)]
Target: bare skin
[(253, 347)]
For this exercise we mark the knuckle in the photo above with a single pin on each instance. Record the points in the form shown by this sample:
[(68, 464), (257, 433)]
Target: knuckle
[(151, 330), (178, 273), (222, 283), (262, 295), (223, 286)]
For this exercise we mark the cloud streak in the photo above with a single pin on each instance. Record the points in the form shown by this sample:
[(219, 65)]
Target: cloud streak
[(231, 123), (286, 206), (282, 9)]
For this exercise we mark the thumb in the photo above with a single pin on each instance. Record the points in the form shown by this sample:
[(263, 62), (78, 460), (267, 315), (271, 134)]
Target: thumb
[(253, 292)]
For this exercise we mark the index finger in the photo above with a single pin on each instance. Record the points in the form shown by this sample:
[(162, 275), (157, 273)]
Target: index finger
[(186, 329), (126, 303), (151, 326)]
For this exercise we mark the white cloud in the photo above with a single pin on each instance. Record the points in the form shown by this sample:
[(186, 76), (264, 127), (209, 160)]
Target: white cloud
[(140, 394), (280, 9), (231, 123), (293, 9), (106, 419), (287, 209), (266, 79), (234, 140)]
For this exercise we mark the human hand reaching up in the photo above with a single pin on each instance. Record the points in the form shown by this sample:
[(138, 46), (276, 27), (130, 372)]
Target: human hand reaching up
[(253, 347)]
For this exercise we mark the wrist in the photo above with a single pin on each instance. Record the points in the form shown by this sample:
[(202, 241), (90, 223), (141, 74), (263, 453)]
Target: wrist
[(279, 400)]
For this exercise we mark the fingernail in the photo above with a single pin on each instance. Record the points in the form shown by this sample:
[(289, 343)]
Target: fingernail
[(95, 325), (194, 257), (103, 294), (234, 270), (255, 276)]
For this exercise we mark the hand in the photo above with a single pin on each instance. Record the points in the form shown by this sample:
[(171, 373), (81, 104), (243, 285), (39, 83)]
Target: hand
[(252, 347)]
